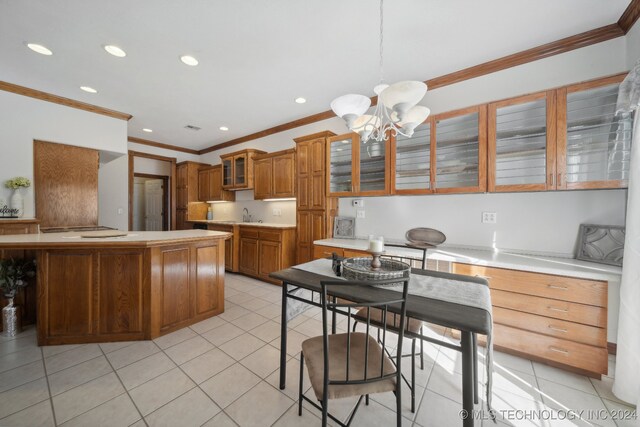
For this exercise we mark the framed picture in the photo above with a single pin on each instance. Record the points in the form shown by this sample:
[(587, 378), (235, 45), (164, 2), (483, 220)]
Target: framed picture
[(344, 227), (603, 244)]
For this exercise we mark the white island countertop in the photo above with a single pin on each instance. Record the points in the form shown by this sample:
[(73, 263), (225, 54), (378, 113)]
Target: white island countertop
[(496, 258), (133, 238)]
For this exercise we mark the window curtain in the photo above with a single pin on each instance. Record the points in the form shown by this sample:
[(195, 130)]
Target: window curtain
[(627, 376)]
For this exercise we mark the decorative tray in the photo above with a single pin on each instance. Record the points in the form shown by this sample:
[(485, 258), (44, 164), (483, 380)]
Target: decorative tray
[(360, 269)]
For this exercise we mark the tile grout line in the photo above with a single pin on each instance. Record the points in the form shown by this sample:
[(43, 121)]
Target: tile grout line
[(123, 386), (46, 376)]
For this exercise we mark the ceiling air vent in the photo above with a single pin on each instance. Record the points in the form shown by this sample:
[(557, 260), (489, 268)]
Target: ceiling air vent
[(192, 127)]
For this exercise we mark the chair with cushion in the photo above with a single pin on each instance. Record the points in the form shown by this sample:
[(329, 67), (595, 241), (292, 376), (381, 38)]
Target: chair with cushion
[(354, 363)]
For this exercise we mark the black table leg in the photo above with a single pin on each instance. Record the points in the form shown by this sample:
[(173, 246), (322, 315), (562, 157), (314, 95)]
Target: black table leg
[(466, 341), (476, 396), (283, 339)]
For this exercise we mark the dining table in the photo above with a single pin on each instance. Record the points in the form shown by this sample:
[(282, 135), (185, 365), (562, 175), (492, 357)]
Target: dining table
[(303, 285)]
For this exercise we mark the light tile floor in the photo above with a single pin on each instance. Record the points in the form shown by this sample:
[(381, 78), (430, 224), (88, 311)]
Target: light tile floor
[(224, 372)]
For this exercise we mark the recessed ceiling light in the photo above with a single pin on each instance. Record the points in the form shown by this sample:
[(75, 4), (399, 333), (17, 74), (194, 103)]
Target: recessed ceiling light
[(115, 51), (147, 130), (88, 89), (300, 100), (224, 128), (189, 60), (39, 48)]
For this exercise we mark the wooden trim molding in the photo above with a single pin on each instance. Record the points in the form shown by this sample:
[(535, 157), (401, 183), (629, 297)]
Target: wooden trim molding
[(630, 16), (161, 145), (44, 96), (567, 44), (612, 348)]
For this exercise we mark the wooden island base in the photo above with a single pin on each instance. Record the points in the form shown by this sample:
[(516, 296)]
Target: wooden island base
[(102, 290)]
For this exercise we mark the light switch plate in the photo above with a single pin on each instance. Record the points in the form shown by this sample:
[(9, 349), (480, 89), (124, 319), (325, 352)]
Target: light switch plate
[(489, 217), (359, 203), (360, 213)]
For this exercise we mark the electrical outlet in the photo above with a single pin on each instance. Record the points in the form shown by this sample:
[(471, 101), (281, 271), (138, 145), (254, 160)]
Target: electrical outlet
[(360, 213), (120, 211), (277, 212), (359, 203), (489, 217)]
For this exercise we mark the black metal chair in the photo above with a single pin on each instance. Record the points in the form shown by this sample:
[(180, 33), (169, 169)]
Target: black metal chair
[(354, 363)]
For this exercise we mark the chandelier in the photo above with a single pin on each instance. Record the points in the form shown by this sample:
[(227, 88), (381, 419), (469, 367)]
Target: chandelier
[(396, 111)]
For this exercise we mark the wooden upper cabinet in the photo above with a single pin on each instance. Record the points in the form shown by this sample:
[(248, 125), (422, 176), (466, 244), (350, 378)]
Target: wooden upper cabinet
[(460, 159), (522, 143), (357, 169), (411, 171), (237, 169), (210, 185), (262, 171), (275, 175), (594, 143)]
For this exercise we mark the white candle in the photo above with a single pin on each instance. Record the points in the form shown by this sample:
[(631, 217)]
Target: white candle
[(376, 246)]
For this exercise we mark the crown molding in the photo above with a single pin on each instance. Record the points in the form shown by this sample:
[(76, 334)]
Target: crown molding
[(630, 16), (161, 145), (44, 96)]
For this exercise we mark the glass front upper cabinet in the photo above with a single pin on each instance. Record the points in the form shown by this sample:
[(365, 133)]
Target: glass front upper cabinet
[(521, 143), (412, 161), (341, 154), (594, 143), (240, 170), (373, 168), (227, 172), (461, 150)]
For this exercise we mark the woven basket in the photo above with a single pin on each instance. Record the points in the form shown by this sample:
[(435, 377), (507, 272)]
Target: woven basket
[(360, 269)]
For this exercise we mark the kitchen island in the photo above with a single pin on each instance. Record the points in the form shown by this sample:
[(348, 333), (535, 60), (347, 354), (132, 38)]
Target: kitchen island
[(135, 287)]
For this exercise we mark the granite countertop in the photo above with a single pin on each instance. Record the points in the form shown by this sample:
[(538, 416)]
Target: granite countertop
[(133, 238), (244, 224), (496, 258)]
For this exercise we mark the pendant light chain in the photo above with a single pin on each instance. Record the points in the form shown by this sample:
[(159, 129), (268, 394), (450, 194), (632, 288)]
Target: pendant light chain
[(381, 40)]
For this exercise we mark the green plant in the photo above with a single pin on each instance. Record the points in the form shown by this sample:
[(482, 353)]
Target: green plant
[(17, 182), (13, 275)]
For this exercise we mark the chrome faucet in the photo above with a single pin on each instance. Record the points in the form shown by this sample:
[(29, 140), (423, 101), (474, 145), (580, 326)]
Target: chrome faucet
[(245, 215)]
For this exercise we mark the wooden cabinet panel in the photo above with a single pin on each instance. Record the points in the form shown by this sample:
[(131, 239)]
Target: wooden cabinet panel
[(181, 220), (303, 198), (249, 256), (582, 291), (176, 297), (320, 251), (317, 187), (181, 186), (237, 169), (284, 170), (121, 284), (228, 254), (263, 186), (352, 253), (552, 327), (318, 225), (65, 184), (70, 293), (270, 258), (563, 310), (215, 184), (304, 252), (208, 266), (585, 357), (318, 153)]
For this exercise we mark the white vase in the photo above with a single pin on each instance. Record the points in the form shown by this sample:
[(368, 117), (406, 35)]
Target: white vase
[(17, 202)]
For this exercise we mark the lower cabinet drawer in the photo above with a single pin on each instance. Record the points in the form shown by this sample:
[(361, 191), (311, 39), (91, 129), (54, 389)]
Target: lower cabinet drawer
[(272, 236), (552, 327), (326, 251), (351, 253), (563, 310), (577, 355), (249, 233)]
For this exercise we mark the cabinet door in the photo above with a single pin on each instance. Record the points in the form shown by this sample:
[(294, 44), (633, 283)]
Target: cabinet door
[(204, 186), (521, 143), (373, 168), (284, 168), (411, 160), (305, 241), (263, 179), (461, 151), (270, 258), (317, 180), (318, 225), (228, 254), (207, 281), (181, 220), (303, 174), (249, 256), (215, 184), (227, 172), (181, 186), (594, 143), (341, 152), (240, 170)]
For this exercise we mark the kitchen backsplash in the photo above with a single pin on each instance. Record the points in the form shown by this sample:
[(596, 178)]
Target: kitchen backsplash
[(258, 209)]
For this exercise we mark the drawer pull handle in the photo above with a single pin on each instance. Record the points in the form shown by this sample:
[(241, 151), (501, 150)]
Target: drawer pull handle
[(559, 350), (562, 288), (553, 328), (561, 310)]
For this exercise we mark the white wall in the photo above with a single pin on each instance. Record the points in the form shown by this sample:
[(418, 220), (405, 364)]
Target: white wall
[(258, 209), (178, 155), (151, 166), (23, 119), (633, 45)]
